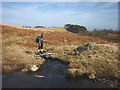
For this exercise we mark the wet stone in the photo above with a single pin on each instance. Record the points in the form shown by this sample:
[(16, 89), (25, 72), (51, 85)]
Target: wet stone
[(24, 70), (34, 68), (92, 76)]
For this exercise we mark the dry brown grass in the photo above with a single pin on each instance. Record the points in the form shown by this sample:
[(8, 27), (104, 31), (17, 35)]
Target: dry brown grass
[(102, 61), (17, 40), (112, 37), (56, 37), (15, 58)]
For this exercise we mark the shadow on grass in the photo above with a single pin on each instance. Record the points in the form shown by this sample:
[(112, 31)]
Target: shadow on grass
[(28, 52), (32, 53), (57, 59)]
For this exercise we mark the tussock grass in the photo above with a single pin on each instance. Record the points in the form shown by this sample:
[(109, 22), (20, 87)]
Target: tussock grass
[(102, 60)]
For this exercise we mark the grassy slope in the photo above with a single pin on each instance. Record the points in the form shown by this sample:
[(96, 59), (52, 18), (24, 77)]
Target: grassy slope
[(17, 40)]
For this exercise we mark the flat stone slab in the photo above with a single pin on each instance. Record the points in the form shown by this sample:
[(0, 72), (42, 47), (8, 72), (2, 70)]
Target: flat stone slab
[(44, 54), (39, 54)]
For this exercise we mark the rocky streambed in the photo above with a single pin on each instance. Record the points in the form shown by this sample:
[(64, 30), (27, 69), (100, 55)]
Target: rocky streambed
[(51, 75)]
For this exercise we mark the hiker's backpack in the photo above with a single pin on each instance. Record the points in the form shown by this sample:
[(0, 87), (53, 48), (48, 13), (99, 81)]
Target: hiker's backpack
[(37, 39)]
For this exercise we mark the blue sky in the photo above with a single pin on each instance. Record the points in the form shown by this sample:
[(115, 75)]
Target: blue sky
[(92, 15)]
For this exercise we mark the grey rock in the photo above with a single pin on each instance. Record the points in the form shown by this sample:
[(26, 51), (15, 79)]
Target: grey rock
[(99, 80), (85, 47), (111, 85)]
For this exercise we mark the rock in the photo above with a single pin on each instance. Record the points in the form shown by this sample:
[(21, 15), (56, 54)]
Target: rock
[(111, 85), (33, 68), (71, 73), (117, 74), (89, 46), (92, 76), (24, 70), (45, 54), (103, 79), (39, 76), (99, 80)]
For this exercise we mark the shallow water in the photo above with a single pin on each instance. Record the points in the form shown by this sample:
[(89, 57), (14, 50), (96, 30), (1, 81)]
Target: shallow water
[(54, 77)]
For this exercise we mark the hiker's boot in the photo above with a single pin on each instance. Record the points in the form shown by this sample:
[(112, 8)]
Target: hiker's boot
[(38, 51)]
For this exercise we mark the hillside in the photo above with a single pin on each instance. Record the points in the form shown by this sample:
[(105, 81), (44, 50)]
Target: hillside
[(54, 36), (16, 40)]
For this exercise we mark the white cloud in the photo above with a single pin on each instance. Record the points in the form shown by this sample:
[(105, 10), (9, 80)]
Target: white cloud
[(37, 14)]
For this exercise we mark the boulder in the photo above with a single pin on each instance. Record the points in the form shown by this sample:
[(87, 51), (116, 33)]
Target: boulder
[(33, 68), (85, 47), (90, 46)]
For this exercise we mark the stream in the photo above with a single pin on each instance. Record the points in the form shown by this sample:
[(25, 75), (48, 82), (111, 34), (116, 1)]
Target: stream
[(54, 77)]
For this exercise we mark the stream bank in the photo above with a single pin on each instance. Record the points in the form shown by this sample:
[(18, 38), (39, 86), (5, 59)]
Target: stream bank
[(54, 74)]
